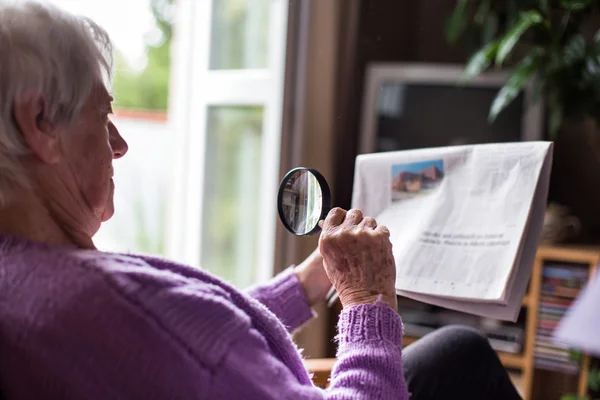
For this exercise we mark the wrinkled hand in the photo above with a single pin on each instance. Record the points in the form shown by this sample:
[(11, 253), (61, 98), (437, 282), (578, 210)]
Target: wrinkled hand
[(358, 258), (313, 278)]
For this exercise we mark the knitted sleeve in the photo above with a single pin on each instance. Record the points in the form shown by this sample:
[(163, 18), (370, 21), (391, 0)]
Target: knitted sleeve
[(284, 297), (369, 363)]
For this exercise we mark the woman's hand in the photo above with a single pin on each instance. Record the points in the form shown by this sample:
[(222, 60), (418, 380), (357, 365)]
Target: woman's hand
[(358, 258), (313, 278)]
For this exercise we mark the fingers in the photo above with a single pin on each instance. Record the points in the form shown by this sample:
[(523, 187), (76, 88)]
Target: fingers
[(353, 217), (368, 222), (383, 229), (335, 217)]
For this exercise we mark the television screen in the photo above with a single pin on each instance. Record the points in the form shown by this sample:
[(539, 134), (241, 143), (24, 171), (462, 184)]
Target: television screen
[(417, 115)]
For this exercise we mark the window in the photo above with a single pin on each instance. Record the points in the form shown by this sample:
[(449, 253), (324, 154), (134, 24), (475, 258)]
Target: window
[(198, 88), (226, 91)]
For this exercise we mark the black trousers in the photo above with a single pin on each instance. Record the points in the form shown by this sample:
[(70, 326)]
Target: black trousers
[(456, 362)]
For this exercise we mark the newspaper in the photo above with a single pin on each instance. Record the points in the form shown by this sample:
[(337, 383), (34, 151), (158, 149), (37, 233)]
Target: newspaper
[(465, 221)]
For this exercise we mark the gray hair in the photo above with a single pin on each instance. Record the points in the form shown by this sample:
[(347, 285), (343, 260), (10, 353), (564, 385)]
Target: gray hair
[(44, 50)]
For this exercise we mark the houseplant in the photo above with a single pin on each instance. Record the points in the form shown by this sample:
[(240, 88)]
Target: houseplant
[(556, 45), (539, 39)]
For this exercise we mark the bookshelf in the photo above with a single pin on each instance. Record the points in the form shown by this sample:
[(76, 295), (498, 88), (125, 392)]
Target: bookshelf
[(579, 256)]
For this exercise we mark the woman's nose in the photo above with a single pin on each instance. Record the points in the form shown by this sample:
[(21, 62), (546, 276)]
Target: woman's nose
[(117, 143)]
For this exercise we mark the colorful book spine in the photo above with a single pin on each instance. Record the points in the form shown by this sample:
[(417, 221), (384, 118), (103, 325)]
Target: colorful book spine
[(560, 286)]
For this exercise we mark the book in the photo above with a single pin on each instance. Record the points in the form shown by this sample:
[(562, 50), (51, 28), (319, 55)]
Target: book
[(465, 221), (560, 285)]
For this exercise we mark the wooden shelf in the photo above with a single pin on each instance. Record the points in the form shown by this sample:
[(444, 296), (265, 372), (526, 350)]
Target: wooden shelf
[(517, 379), (316, 365), (576, 254), (516, 361), (406, 340), (526, 301), (320, 368)]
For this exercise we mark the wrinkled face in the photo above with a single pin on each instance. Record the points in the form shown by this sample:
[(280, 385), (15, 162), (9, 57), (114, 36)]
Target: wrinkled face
[(87, 150), (71, 164)]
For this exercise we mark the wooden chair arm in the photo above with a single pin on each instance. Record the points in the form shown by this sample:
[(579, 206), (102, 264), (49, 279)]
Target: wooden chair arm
[(321, 370)]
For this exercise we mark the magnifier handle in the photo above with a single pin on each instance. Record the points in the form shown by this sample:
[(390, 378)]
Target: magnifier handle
[(332, 297)]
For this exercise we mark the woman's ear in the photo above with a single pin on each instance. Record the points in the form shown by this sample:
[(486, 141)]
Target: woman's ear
[(30, 114)]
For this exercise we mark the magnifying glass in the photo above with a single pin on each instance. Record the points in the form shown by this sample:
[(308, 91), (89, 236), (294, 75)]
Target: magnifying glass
[(303, 200)]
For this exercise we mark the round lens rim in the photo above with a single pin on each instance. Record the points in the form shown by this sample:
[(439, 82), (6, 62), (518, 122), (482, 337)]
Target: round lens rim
[(325, 195)]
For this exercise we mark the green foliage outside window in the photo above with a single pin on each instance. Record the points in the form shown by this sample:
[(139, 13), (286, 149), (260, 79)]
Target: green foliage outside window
[(147, 89)]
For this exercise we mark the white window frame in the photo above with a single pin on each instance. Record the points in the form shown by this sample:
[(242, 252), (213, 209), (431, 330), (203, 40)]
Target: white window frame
[(194, 88)]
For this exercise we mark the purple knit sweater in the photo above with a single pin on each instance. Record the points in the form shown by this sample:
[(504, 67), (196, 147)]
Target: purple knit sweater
[(79, 324)]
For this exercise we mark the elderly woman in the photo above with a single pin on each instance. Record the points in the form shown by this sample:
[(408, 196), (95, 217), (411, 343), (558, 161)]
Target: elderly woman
[(77, 323)]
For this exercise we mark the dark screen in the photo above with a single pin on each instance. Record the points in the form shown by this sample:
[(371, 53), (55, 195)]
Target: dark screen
[(412, 116)]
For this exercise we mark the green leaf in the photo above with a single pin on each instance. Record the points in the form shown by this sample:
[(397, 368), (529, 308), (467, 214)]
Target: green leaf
[(490, 28), (482, 12), (508, 42), (574, 50), (517, 79), (575, 5), (480, 60), (543, 5), (590, 74), (594, 379), (592, 65), (575, 355), (457, 22), (554, 63)]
